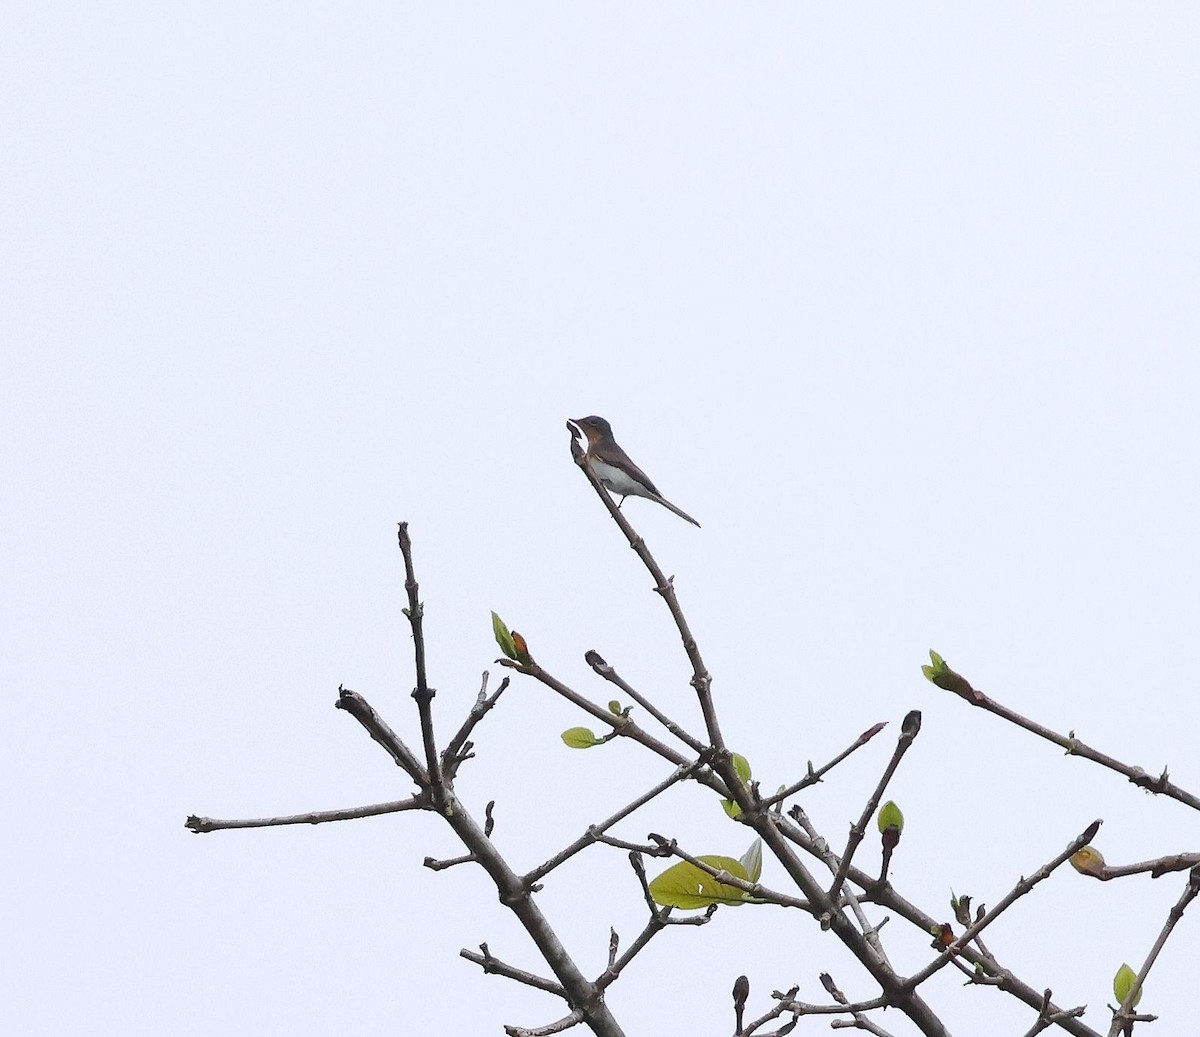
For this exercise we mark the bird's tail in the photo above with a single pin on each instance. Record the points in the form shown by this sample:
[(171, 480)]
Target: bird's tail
[(678, 511)]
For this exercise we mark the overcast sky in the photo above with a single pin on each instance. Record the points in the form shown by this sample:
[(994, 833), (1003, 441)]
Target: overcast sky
[(898, 300)]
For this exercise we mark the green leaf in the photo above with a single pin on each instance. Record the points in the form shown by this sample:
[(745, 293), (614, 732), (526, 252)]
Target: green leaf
[(751, 860), (741, 766), (503, 638), (890, 817), (945, 678), (689, 888), (938, 668), (730, 807), (580, 738), (1123, 983), (614, 707)]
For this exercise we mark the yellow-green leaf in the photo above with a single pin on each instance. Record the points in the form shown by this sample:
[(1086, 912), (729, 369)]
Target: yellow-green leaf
[(580, 738), (751, 860), (890, 817), (689, 888), (938, 668), (614, 707), (730, 807), (944, 677), (503, 638), (1088, 861), (741, 766), (1123, 983)]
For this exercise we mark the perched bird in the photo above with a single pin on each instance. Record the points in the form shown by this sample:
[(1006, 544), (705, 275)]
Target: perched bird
[(611, 465)]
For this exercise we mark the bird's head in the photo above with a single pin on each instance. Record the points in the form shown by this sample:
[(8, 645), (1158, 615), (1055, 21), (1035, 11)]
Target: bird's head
[(593, 427)]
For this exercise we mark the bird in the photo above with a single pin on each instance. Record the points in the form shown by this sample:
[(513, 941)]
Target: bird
[(612, 466)]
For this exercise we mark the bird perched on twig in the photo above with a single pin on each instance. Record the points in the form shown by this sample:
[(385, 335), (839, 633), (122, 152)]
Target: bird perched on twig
[(612, 466)]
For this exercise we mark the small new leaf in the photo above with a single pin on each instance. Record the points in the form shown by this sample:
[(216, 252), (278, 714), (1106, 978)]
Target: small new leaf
[(890, 817), (503, 638), (1088, 861), (741, 765), (614, 707), (580, 738), (751, 860), (1123, 983), (944, 677)]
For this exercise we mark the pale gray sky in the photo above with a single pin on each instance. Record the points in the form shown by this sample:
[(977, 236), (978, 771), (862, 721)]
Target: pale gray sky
[(898, 301)]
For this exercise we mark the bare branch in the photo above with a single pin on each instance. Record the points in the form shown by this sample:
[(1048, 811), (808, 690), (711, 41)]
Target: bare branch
[(820, 849), (358, 707), (491, 964), (779, 1009), (812, 777), (423, 694), (315, 817), (885, 895), (565, 1023), (1074, 747), (622, 725), (1048, 1016), (908, 732), (1124, 1015), (1018, 891), (433, 864), (842, 1007), (458, 749), (1157, 867), (591, 835), (593, 659)]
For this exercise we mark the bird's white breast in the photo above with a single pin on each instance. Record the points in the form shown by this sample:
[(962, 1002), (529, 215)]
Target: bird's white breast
[(616, 480)]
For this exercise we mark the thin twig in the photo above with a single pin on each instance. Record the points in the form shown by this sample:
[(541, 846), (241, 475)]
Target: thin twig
[(422, 693), (1124, 1016), (1018, 891), (886, 896), (813, 776), (820, 849), (1048, 1017), (775, 1013), (951, 681), (491, 964), (593, 659), (314, 817), (622, 725), (362, 711), (594, 831), (434, 864), (860, 1021), (458, 748), (908, 731), (558, 1026), (1157, 867)]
